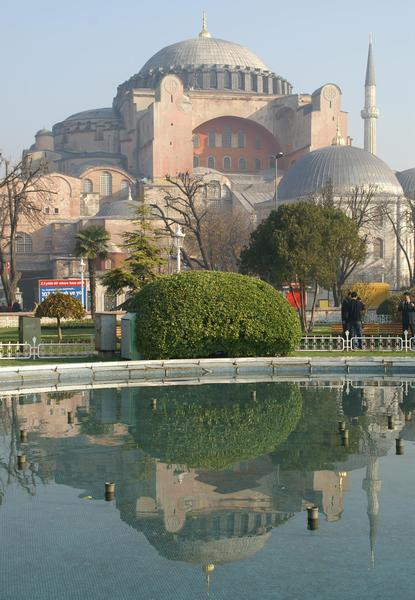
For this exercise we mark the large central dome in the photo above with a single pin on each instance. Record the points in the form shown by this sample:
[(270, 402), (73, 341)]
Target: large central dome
[(206, 51), (207, 63)]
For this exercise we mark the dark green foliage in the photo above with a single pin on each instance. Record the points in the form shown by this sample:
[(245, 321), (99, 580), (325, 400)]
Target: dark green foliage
[(144, 259), (206, 313), (215, 426)]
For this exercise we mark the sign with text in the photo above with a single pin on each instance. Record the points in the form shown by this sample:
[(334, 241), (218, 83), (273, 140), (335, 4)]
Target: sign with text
[(73, 287)]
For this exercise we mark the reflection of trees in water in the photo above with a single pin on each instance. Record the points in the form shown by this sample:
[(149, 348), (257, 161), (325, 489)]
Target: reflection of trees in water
[(314, 444), (9, 448), (215, 426)]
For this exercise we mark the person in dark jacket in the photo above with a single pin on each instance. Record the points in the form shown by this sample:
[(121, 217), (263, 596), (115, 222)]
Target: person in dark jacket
[(407, 309), (344, 312), (355, 311)]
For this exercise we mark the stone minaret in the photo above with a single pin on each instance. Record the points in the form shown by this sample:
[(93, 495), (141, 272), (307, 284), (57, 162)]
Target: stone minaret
[(371, 485), (370, 112)]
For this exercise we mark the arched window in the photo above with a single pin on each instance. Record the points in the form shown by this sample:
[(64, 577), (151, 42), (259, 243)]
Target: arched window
[(227, 137), (199, 80), (241, 81), (227, 80), (258, 143), (378, 248), (124, 188), (265, 85), (87, 186), (227, 163), (211, 139), (211, 162), (213, 79), (213, 190), (254, 82), (257, 164), (196, 161), (241, 139), (105, 183), (24, 243), (242, 164), (196, 141), (378, 217)]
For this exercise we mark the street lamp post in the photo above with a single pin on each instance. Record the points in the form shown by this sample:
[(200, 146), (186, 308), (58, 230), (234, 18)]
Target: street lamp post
[(178, 239), (276, 157), (82, 265)]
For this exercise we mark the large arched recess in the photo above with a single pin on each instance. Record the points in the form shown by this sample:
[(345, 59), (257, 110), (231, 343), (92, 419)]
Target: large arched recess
[(241, 143)]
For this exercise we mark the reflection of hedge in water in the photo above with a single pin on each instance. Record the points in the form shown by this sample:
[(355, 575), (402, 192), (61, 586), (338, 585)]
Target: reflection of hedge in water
[(315, 444), (215, 426)]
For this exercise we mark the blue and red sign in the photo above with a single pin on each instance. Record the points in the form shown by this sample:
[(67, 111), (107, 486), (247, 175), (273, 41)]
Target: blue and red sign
[(73, 287)]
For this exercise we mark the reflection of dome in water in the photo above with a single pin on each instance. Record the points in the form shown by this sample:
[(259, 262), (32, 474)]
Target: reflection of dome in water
[(217, 537)]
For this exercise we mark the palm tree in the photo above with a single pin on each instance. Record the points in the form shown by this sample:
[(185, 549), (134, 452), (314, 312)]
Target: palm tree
[(92, 243)]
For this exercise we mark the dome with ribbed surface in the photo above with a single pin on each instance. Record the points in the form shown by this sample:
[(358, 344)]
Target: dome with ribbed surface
[(346, 167), (407, 181), (204, 51)]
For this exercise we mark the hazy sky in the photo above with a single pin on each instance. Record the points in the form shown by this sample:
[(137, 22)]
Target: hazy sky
[(61, 57)]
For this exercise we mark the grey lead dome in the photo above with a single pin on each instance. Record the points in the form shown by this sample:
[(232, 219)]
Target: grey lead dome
[(204, 51), (407, 181), (346, 166)]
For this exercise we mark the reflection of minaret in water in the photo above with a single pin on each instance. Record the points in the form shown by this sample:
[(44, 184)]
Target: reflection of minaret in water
[(371, 485)]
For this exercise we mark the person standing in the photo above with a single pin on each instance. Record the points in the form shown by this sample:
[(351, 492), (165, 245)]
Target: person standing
[(407, 309), (344, 312), (356, 309)]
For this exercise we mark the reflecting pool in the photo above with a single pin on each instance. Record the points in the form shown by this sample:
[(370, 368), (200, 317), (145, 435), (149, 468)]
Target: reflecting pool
[(212, 486)]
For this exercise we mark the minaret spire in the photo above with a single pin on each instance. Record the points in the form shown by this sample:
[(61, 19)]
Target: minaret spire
[(370, 113)]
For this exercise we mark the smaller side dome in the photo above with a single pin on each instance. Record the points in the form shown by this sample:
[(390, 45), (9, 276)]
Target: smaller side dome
[(407, 180), (347, 167)]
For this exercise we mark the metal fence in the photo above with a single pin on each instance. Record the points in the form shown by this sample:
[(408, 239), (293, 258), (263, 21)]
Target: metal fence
[(15, 350), (369, 343)]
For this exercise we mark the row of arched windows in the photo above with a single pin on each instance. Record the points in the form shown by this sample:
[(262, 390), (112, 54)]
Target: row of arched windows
[(227, 165), (224, 139), (105, 185), (242, 80)]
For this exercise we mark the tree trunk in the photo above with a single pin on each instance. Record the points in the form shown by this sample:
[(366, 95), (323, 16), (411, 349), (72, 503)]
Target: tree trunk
[(58, 325), (92, 284), (336, 294), (313, 308)]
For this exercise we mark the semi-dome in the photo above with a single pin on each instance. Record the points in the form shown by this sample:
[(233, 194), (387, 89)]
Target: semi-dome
[(407, 181), (91, 115), (346, 167)]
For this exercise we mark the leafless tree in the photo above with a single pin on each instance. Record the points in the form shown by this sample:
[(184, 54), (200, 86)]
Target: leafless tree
[(183, 205), (403, 227), (24, 191)]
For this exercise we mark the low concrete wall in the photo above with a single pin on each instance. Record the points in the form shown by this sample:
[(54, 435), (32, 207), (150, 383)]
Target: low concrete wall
[(125, 373), (12, 319)]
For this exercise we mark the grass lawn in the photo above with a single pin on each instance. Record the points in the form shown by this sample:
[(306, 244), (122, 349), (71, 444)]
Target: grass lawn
[(49, 334)]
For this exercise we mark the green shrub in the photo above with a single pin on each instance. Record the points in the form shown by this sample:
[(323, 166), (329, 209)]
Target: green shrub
[(390, 307), (215, 426), (203, 313)]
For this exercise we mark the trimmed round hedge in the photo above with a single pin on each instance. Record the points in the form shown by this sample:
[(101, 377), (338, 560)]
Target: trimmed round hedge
[(216, 426), (206, 313)]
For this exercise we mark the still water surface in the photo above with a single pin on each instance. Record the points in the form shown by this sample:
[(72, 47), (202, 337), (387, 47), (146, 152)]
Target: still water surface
[(212, 487)]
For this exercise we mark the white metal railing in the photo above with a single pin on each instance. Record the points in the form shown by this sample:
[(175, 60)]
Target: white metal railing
[(329, 343), (69, 348), (14, 350), (348, 343)]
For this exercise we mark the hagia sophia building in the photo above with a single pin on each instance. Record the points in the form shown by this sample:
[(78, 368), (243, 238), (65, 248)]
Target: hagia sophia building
[(212, 107)]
